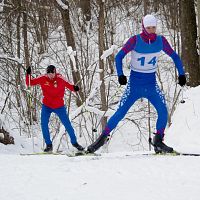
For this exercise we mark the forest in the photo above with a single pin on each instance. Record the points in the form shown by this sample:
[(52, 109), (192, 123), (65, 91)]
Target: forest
[(81, 38)]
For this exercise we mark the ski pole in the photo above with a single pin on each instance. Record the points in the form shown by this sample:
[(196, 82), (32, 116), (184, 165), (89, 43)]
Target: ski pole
[(187, 80), (30, 106), (182, 100), (149, 124)]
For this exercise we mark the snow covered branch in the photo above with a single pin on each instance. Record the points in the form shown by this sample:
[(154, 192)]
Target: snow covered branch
[(79, 109), (109, 52), (72, 55), (62, 5), (3, 56)]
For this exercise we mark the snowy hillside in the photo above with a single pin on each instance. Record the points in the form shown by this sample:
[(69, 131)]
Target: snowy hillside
[(184, 133), (112, 176)]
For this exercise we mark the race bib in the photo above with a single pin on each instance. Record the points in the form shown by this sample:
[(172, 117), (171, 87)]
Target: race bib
[(146, 63)]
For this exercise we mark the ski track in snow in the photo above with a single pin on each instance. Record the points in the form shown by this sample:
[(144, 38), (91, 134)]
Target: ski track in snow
[(111, 176)]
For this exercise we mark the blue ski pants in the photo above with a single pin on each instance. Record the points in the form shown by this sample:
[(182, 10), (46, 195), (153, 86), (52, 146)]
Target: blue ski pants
[(141, 85), (62, 114)]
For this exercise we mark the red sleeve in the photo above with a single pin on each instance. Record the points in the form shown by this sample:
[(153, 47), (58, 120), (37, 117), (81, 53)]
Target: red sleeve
[(33, 81), (67, 84)]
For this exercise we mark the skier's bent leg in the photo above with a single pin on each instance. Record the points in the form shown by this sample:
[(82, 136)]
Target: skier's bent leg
[(62, 114), (112, 123)]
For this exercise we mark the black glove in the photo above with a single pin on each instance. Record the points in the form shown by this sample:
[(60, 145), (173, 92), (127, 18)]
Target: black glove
[(182, 80), (28, 70), (76, 88), (122, 80)]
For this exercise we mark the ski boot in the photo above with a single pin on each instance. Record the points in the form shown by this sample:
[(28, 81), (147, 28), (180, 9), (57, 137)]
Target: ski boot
[(98, 143), (159, 146), (49, 148), (78, 146)]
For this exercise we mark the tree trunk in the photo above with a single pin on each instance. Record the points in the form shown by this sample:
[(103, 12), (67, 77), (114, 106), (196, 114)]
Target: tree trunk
[(25, 35), (189, 37), (18, 74), (43, 29), (71, 42), (27, 63), (198, 14), (101, 23), (86, 9)]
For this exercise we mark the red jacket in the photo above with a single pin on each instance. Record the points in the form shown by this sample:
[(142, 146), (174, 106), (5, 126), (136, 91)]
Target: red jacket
[(52, 90)]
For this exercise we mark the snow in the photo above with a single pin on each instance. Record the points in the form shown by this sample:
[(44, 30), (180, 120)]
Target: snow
[(1, 6), (72, 55), (62, 5), (2, 135), (184, 133), (108, 177), (109, 52), (118, 175)]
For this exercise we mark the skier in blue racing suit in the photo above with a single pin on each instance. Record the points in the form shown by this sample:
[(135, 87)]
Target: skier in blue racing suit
[(145, 49)]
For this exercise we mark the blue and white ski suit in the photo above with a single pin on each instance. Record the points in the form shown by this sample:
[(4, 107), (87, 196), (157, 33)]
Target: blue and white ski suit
[(142, 82)]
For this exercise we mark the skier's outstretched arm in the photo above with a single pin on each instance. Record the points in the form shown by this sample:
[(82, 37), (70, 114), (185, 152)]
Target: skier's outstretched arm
[(177, 61), (175, 57), (71, 87)]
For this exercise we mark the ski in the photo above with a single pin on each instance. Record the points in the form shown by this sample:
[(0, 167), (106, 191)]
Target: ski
[(41, 153), (83, 153), (87, 154), (73, 154), (174, 153), (184, 154)]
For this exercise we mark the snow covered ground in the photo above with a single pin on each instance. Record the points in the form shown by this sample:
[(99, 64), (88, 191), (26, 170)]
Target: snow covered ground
[(113, 176)]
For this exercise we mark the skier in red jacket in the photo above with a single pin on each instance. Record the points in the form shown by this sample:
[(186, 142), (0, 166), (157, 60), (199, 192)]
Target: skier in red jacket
[(53, 87)]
